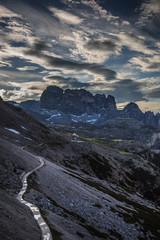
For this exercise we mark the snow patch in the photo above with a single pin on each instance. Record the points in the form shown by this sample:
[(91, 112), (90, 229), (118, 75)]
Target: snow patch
[(54, 115), (23, 127), (13, 130), (28, 138), (74, 120), (77, 141), (91, 120)]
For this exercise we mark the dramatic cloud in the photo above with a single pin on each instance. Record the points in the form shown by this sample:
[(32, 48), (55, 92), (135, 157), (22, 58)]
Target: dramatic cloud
[(135, 42), (8, 77), (22, 90), (80, 44), (65, 16), (128, 90), (100, 11), (149, 12), (27, 68), (66, 82), (2, 92), (101, 46), (6, 13), (155, 93), (146, 64), (51, 62)]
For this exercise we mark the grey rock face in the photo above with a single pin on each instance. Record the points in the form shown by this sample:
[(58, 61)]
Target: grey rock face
[(51, 98), (75, 101), (78, 102), (132, 110)]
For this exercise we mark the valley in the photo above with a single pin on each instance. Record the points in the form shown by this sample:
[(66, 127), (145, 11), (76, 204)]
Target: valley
[(91, 186)]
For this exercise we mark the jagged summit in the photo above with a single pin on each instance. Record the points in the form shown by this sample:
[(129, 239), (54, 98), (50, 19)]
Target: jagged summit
[(132, 107), (133, 111), (75, 101), (58, 106)]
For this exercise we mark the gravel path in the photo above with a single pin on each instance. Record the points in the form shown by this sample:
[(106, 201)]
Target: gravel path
[(46, 234)]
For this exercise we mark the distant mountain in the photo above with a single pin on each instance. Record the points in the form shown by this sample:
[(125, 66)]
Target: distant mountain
[(58, 106), (75, 101)]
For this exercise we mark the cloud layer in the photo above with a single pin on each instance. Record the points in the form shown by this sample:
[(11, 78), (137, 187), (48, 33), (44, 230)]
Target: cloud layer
[(79, 44)]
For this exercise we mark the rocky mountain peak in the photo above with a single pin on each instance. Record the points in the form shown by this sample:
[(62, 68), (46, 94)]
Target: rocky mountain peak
[(50, 97), (75, 101), (80, 94), (54, 89), (132, 110), (79, 105), (110, 103), (131, 107)]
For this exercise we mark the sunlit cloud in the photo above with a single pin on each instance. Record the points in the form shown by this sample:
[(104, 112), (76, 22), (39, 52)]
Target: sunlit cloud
[(27, 68), (65, 16), (23, 90), (98, 9), (149, 11), (146, 64), (2, 93), (135, 43), (6, 13), (81, 44)]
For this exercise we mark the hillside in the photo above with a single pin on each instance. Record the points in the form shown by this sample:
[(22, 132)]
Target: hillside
[(86, 189)]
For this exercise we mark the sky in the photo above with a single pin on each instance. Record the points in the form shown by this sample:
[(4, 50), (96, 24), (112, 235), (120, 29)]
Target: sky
[(104, 46)]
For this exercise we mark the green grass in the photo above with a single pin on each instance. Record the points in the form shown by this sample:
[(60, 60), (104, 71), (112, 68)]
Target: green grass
[(122, 140), (103, 142)]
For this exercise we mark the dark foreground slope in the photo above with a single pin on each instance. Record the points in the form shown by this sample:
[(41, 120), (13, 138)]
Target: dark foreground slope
[(84, 191)]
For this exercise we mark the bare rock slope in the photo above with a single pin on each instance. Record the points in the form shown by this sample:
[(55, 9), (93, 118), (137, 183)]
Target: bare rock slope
[(84, 191)]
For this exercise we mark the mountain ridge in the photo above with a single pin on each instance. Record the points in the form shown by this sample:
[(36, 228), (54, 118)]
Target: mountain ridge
[(60, 105)]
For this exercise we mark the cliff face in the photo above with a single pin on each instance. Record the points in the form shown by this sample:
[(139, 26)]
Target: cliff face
[(149, 118), (75, 101), (78, 105)]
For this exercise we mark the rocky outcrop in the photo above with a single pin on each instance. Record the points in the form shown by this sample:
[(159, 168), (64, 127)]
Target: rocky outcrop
[(149, 118), (132, 111), (51, 97), (74, 101), (79, 105)]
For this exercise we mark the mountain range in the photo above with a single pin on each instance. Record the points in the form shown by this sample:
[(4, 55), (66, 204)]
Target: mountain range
[(58, 106), (88, 188)]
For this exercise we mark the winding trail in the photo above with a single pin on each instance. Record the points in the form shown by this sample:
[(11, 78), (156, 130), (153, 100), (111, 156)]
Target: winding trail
[(46, 234)]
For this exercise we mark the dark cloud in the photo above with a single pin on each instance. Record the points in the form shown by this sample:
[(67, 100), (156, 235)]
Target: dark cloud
[(127, 90), (155, 93), (37, 47), (124, 90), (55, 62), (68, 82), (40, 45), (6, 87), (103, 46), (154, 65), (39, 87)]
